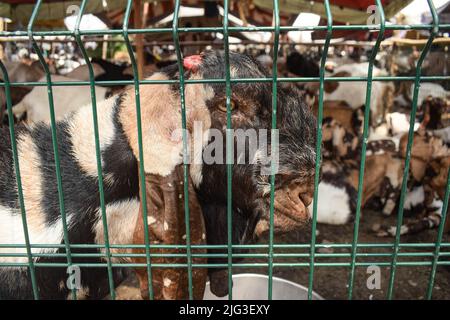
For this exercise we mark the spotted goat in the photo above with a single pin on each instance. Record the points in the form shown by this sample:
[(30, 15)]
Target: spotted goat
[(251, 105)]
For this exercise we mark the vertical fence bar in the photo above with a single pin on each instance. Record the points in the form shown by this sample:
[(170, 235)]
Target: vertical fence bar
[(229, 148), (319, 147), (54, 136), (364, 145), (425, 51), (439, 239), (77, 36), (276, 18), (12, 135), (136, 74), (176, 40)]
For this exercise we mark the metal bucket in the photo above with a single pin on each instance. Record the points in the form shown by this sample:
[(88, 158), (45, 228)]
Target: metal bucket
[(250, 286)]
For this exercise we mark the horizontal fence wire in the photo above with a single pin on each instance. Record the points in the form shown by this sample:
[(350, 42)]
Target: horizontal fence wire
[(235, 246), (232, 80), (224, 255), (427, 254), (354, 27), (234, 265)]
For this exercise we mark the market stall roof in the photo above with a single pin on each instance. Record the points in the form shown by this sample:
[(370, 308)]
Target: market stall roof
[(259, 11), (53, 12), (344, 11), (443, 13)]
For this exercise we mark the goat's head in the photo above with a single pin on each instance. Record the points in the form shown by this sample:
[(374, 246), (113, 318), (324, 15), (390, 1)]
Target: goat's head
[(338, 141), (256, 151), (425, 147), (434, 110), (251, 116), (293, 156)]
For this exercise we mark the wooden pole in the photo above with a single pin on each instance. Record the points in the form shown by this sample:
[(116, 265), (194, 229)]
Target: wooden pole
[(105, 47), (1, 46)]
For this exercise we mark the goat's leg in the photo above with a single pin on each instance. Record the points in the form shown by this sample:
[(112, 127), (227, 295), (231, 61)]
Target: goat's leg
[(389, 197), (215, 215), (430, 221), (216, 234)]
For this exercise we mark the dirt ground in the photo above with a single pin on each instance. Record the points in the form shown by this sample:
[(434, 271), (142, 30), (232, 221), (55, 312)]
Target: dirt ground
[(411, 282)]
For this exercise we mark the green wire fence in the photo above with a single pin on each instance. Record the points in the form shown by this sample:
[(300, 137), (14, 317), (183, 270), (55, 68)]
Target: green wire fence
[(268, 252)]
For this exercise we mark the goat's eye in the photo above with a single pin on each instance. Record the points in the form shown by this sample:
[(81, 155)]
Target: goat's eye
[(223, 106)]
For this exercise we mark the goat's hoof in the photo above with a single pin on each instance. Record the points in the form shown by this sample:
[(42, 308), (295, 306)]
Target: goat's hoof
[(382, 234)]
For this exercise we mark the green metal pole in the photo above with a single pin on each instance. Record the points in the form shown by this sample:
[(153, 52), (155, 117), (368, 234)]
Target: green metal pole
[(54, 136), (140, 145), (364, 145), (439, 239), (176, 40), (319, 148), (12, 134), (77, 36), (276, 18), (229, 148), (424, 53)]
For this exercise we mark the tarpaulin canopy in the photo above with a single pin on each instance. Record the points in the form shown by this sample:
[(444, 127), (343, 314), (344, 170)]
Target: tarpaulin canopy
[(443, 13), (346, 11), (53, 10)]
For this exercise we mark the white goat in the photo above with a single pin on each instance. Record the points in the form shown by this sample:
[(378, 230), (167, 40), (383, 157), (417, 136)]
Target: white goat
[(66, 100), (354, 93)]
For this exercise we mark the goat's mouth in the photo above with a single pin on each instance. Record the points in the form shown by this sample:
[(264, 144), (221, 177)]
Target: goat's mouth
[(290, 210)]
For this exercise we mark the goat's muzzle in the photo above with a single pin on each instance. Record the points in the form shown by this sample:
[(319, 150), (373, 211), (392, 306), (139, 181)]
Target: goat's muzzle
[(290, 208)]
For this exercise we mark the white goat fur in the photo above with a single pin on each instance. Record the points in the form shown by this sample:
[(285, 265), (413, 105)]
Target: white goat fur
[(66, 100)]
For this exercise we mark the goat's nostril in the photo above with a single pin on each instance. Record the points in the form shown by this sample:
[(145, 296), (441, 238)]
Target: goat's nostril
[(306, 198)]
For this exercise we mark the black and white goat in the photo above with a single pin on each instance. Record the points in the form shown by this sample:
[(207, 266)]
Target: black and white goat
[(251, 103), (337, 196), (384, 168), (339, 184), (430, 162)]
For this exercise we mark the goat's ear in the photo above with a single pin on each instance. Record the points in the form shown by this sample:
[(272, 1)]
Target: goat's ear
[(161, 121), (166, 224), (331, 86)]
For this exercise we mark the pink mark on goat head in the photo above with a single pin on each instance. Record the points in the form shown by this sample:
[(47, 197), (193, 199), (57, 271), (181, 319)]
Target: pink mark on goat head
[(191, 63)]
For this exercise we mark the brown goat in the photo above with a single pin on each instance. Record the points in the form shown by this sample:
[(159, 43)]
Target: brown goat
[(339, 111)]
